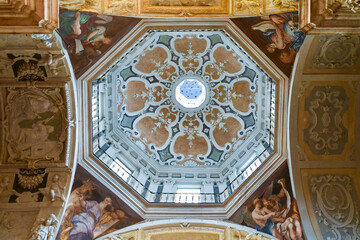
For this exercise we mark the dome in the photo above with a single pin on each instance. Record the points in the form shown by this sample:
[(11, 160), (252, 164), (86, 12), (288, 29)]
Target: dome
[(184, 104)]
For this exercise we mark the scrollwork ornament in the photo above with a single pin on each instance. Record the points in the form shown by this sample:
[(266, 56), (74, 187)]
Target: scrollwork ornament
[(335, 207), (326, 133), (337, 52), (46, 39)]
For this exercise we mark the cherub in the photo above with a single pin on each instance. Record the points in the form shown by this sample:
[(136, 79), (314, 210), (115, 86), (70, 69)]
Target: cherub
[(5, 185), (55, 189), (46, 228)]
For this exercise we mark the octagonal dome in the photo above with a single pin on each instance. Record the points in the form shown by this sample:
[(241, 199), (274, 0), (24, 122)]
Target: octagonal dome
[(189, 104)]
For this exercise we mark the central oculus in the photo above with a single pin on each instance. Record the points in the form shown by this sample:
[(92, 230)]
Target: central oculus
[(190, 93)]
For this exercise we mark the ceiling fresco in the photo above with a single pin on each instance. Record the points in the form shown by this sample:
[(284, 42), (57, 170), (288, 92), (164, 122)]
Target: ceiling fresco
[(88, 36), (93, 210), (189, 97), (277, 35), (272, 209)]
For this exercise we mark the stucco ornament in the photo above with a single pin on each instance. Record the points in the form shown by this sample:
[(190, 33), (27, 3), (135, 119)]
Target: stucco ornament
[(6, 220), (336, 209), (252, 6), (30, 178), (46, 39), (354, 5), (46, 228), (285, 3)]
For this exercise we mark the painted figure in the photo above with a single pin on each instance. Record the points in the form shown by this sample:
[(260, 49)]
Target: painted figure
[(264, 218), (87, 219), (84, 29), (283, 33), (84, 223), (274, 214)]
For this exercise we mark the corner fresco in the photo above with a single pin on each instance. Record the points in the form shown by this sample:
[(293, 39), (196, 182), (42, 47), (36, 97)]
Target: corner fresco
[(87, 35), (272, 209), (93, 210), (277, 35)]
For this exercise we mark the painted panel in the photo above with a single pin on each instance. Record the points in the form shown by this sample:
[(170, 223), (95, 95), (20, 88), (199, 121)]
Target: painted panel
[(36, 130), (277, 35), (326, 130), (339, 54), (88, 36), (93, 210), (272, 209), (331, 197)]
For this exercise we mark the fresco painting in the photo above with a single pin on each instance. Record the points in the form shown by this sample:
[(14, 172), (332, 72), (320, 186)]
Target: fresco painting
[(277, 35), (272, 209), (88, 35), (93, 210)]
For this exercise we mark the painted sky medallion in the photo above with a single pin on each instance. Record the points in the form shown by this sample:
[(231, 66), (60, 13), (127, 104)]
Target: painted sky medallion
[(189, 97)]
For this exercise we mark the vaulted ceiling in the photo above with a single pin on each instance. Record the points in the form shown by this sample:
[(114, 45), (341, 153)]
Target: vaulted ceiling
[(143, 107)]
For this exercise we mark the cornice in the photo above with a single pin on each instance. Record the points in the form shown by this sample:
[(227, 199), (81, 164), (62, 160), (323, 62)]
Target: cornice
[(31, 16)]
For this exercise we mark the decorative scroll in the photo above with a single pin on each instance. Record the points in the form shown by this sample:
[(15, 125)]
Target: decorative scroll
[(337, 52), (335, 206), (326, 133)]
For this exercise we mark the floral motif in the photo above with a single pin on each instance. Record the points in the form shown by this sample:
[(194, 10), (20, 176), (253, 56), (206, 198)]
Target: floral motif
[(150, 115)]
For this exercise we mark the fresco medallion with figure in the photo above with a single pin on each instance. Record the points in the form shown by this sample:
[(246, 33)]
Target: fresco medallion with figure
[(189, 97)]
